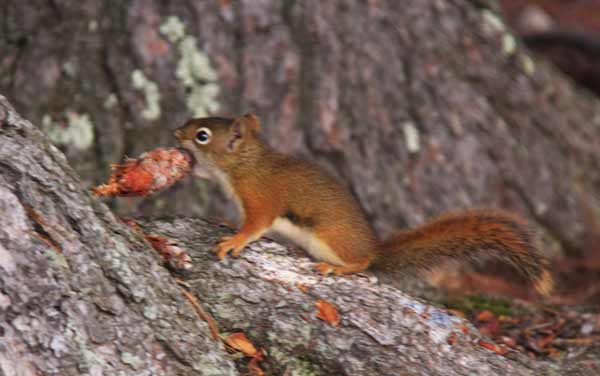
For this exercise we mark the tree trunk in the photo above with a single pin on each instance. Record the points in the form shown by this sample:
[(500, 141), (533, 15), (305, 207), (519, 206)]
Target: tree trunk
[(80, 293), (420, 106)]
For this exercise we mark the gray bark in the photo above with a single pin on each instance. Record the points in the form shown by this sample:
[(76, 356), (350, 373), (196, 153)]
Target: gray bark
[(80, 293)]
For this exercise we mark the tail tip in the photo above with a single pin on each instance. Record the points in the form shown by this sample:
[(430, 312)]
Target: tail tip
[(545, 283)]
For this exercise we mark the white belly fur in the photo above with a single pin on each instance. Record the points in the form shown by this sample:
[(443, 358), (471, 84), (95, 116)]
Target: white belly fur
[(305, 239)]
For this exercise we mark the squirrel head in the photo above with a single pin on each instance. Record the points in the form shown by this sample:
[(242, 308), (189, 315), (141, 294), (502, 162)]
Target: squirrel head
[(216, 143)]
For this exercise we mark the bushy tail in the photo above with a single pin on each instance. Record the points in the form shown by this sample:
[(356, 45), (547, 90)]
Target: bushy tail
[(469, 235)]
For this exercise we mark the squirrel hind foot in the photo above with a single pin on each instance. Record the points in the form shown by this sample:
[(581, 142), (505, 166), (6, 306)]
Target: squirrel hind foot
[(326, 268)]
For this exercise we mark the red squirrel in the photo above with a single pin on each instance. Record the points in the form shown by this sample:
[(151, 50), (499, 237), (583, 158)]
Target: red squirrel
[(301, 201)]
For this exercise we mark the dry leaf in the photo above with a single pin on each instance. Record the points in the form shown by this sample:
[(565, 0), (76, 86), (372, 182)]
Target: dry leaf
[(493, 347), (490, 328), (508, 341), (253, 367), (451, 339), (456, 312), (327, 312), (240, 342), (133, 224), (302, 287), (545, 341), (485, 316), (173, 254)]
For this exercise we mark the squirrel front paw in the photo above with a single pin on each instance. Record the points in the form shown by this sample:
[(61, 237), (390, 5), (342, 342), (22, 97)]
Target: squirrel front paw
[(234, 244)]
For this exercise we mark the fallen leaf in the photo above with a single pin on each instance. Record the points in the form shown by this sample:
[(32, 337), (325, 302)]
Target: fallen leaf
[(240, 342), (493, 347), (173, 254), (508, 341), (485, 316), (458, 313), (302, 287), (132, 223), (545, 341), (490, 328), (253, 367), (451, 340), (327, 312)]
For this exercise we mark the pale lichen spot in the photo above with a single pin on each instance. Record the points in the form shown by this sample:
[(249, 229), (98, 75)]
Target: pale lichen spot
[(509, 44), (411, 135), (173, 29), (69, 69), (528, 65), (132, 360), (77, 130), (193, 70), (93, 26), (150, 312), (151, 94), (111, 101), (493, 20)]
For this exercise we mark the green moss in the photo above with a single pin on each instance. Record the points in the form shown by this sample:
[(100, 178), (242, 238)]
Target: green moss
[(295, 366), (470, 304)]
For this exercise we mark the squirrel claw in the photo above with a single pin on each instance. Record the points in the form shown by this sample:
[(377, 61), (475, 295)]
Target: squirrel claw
[(228, 244)]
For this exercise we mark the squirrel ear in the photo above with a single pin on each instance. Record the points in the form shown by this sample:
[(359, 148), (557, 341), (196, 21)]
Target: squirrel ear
[(252, 122), (243, 127)]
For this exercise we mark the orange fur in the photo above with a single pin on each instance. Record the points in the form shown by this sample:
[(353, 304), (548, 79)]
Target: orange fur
[(468, 235), (302, 201)]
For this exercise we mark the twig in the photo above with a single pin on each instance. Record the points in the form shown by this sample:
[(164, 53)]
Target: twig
[(212, 325)]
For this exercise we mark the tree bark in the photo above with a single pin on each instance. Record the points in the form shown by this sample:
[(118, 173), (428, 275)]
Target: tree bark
[(80, 293), (419, 106)]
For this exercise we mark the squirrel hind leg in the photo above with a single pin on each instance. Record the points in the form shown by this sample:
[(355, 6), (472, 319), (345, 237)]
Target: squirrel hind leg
[(326, 268)]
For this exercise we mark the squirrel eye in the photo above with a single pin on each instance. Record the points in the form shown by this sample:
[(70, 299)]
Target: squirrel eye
[(203, 136)]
